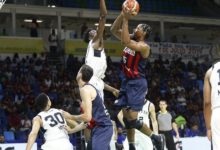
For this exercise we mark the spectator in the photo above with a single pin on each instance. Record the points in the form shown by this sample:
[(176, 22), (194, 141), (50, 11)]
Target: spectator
[(174, 39), (185, 40), (84, 27), (25, 124), (2, 139), (62, 39), (33, 28), (157, 37), (4, 33), (53, 41)]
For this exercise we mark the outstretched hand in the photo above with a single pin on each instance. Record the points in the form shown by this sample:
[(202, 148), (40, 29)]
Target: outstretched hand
[(126, 13), (116, 93)]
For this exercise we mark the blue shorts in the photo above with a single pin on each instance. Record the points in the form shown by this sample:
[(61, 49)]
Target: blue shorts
[(101, 137), (132, 94)]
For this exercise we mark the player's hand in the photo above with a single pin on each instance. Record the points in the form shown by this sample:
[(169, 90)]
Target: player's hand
[(115, 93), (126, 13), (209, 134)]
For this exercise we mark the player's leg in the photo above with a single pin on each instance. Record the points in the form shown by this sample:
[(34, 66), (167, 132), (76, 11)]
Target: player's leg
[(114, 136), (135, 93), (142, 142)]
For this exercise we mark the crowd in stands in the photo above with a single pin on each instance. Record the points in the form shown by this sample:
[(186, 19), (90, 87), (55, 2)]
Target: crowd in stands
[(22, 78)]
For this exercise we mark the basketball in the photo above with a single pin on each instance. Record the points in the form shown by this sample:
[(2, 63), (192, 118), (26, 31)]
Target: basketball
[(132, 6)]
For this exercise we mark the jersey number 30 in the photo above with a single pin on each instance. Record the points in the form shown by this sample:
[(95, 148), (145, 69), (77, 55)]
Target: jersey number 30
[(55, 119)]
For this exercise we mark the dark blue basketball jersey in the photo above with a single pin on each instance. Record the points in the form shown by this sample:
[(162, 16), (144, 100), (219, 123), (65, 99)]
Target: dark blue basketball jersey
[(133, 64), (100, 115)]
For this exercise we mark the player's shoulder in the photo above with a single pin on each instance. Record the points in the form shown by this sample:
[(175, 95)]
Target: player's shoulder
[(144, 44), (37, 119), (209, 72), (87, 88)]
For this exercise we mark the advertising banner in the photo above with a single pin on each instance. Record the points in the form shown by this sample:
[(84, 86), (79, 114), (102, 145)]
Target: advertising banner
[(16, 146), (21, 45)]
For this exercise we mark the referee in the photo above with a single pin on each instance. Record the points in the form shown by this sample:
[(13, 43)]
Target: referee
[(166, 123)]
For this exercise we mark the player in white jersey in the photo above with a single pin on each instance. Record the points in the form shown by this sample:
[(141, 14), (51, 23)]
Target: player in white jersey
[(212, 104), (147, 114), (96, 57), (52, 120)]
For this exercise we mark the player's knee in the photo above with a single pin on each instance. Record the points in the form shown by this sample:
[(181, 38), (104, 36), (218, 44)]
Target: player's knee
[(130, 124)]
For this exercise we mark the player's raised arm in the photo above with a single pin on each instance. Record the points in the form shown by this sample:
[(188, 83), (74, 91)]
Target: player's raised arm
[(207, 102), (102, 20), (34, 132), (139, 44), (153, 118), (116, 27)]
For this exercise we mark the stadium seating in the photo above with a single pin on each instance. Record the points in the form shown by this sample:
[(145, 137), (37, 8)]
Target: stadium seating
[(9, 136)]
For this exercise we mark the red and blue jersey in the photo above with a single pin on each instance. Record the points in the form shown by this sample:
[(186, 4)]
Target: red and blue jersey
[(133, 64)]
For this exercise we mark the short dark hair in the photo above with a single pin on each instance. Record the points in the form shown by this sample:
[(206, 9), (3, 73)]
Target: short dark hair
[(87, 73), (41, 101), (162, 100), (147, 28), (86, 35)]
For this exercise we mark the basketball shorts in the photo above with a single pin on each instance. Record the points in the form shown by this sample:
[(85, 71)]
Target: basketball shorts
[(132, 94), (101, 137), (59, 144)]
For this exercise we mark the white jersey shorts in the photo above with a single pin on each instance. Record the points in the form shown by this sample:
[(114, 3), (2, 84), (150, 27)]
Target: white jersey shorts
[(59, 144)]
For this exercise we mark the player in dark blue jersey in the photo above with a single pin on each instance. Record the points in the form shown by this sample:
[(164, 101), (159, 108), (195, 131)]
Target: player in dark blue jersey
[(134, 86), (95, 115)]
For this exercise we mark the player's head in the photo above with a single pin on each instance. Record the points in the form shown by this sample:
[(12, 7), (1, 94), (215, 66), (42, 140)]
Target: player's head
[(85, 73), (89, 35), (163, 105), (142, 31), (43, 102)]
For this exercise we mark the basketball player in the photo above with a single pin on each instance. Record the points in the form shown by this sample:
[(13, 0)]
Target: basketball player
[(212, 104), (52, 121), (94, 115), (132, 92), (146, 115), (95, 56)]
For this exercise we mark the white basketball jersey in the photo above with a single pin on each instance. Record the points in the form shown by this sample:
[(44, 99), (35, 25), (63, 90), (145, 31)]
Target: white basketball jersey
[(98, 64), (53, 123), (144, 113), (215, 83)]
